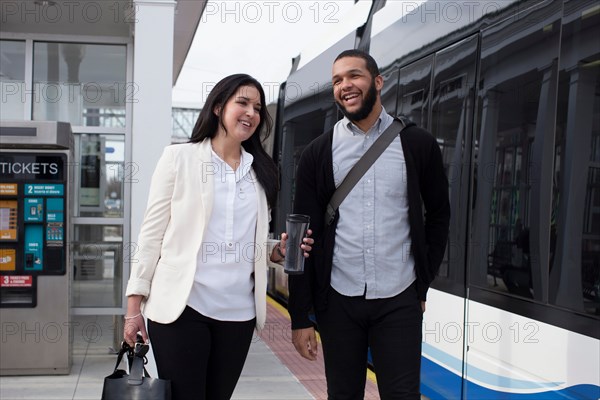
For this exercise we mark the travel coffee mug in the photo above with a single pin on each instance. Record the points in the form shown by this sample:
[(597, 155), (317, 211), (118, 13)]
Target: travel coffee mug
[(296, 226)]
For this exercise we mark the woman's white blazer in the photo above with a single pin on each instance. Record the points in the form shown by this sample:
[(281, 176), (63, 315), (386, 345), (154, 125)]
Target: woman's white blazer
[(179, 207)]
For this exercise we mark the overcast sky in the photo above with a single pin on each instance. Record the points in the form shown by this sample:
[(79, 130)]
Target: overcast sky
[(261, 38)]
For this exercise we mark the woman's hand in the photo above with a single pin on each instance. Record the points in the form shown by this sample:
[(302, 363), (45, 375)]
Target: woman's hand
[(134, 321), (278, 253)]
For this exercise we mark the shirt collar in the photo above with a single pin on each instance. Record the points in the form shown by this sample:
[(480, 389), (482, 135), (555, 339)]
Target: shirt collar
[(356, 130), (245, 163)]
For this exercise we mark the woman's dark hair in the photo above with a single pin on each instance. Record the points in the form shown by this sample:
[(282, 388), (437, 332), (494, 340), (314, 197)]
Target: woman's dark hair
[(371, 63), (208, 124)]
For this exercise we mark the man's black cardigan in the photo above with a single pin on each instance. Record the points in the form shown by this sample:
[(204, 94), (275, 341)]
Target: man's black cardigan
[(426, 184)]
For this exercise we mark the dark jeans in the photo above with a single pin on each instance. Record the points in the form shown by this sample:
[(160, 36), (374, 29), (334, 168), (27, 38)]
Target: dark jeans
[(391, 327), (201, 356)]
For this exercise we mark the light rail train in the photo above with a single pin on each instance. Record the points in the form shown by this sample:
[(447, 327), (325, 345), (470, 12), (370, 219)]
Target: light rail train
[(511, 91)]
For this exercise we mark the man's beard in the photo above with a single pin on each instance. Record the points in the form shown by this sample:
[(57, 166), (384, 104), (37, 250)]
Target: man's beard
[(366, 108)]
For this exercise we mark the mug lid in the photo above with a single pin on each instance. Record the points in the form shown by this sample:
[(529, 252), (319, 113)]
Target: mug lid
[(298, 218)]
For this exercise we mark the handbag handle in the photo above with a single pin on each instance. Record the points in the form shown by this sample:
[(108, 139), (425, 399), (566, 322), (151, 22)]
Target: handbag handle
[(136, 361), (138, 371), (125, 348)]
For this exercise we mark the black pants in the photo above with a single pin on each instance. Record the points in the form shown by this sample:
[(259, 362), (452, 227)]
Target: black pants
[(391, 327), (201, 356)]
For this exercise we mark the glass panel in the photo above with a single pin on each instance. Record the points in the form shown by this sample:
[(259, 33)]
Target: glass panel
[(297, 134), (509, 242), (101, 171), (452, 111), (83, 84), (184, 120), (98, 266), (388, 92), (413, 91), (575, 267), (12, 79)]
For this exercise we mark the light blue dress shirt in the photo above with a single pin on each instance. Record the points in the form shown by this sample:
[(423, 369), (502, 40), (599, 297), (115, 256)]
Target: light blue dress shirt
[(372, 240)]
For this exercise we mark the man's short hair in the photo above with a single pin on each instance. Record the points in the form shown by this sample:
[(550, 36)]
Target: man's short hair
[(371, 63)]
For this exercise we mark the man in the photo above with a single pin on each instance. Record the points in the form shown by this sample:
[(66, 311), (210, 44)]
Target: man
[(369, 271)]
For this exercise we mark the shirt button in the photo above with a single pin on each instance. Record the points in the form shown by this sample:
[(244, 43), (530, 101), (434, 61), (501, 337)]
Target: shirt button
[(369, 204), (229, 244), (368, 250), (368, 181)]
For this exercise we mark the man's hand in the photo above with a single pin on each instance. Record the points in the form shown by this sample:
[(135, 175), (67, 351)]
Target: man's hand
[(305, 342)]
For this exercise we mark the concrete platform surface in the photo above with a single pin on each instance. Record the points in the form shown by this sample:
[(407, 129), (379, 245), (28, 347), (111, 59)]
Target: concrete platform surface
[(264, 376)]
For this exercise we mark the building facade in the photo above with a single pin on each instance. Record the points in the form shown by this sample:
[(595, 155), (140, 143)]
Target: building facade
[(101, 66)]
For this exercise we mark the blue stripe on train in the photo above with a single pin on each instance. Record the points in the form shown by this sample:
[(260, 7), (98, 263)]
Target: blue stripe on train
[(487, 378), (437, 383)]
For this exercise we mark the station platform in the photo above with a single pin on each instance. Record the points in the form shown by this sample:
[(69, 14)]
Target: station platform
[(273, 369)]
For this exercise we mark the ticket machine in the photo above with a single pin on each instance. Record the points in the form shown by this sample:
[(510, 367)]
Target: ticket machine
[(35, 187)]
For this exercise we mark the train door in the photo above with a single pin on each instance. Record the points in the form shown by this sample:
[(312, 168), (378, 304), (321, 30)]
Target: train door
[(511, 229), (437, 92)]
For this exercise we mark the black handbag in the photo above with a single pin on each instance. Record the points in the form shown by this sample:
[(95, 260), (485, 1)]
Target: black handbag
[(137, 385)]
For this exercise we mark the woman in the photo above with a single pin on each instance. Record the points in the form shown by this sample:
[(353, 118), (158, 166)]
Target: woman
[(201, 270)]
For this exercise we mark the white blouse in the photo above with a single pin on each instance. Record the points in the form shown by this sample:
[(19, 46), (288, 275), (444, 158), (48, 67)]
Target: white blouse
[(223, 287)]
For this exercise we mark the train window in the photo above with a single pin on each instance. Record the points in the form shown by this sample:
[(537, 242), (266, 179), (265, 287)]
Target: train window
[(413, 91), (575, 267), (451, 113), (388, 92), (510, 243), (297, 133)]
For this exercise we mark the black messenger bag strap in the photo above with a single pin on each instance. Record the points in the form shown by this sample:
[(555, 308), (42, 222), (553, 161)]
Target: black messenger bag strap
[(362, 166)]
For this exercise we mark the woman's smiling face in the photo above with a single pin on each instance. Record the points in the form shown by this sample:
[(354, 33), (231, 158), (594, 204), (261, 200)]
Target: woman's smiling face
[(241, 115)]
